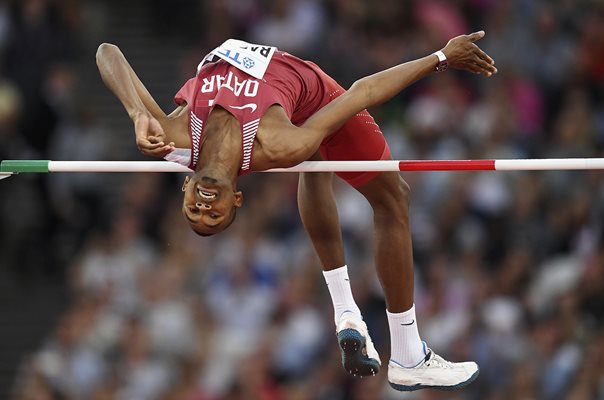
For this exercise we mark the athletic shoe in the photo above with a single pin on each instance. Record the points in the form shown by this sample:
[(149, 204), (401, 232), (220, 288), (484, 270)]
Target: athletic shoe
[(359, 356), (433, 372)]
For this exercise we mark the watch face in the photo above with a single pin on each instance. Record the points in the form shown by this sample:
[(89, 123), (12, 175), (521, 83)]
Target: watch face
[(442, 66)]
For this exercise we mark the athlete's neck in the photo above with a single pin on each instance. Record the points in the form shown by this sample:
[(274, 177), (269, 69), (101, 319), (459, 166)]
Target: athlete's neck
[(221, 151)]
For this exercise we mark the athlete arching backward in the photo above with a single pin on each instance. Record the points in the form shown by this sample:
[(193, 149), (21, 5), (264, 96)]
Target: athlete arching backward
[(251, 108)]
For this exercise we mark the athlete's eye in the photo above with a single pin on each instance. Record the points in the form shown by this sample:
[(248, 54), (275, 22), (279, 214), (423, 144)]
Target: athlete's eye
[(214, 216)]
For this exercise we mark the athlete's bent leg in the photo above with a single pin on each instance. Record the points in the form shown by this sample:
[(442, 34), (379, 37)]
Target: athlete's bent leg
[(412, 365), (388, 195), (319, 215)]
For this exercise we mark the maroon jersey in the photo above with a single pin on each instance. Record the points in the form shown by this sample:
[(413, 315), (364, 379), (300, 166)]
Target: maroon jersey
[(300, 87), (288, 82)]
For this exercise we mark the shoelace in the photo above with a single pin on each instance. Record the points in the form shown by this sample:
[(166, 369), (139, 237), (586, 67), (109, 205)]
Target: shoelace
[(438, 361)]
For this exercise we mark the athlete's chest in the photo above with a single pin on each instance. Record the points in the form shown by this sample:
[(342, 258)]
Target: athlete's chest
[(222, 140)]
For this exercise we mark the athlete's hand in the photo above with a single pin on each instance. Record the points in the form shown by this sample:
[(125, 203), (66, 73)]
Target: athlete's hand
[(462, 53), (150, 136)]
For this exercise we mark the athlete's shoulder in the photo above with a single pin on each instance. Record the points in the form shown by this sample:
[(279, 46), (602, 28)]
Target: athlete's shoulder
[(186, 93)]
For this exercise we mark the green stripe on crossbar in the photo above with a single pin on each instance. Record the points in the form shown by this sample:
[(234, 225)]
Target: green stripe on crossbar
[(24, 166)]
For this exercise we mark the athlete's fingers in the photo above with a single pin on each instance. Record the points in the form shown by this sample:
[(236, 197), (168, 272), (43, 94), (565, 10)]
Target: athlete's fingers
[(485, 56), (142, 143), (151, 142), (150, 148), (159, 152), (485, 66), (472, 37), (162, 150), (478, 51), (154, 140), (471, 67), (485, 72), (141, 128), (482, 71), (156, 145)]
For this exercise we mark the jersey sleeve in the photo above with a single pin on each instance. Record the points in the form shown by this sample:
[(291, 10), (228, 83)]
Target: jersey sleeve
[(186, 93)]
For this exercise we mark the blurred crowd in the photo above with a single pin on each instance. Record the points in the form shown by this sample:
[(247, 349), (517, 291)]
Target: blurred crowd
[(509, 265)]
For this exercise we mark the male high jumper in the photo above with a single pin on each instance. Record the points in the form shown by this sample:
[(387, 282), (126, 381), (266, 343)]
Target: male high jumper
[(252, 108)]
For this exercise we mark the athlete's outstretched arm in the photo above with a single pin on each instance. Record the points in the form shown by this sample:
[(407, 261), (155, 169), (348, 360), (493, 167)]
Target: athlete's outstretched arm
[(461, 53), (150, 121), (295, 145)]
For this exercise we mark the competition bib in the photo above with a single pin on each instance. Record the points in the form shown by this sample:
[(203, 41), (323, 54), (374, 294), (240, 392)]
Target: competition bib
[(250, 58)]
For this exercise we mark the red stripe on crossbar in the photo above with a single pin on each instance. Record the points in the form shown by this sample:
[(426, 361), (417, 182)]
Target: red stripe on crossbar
[(447, 165)]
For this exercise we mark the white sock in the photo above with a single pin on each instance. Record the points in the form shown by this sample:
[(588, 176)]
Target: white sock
[(407, 348), (338, 284)]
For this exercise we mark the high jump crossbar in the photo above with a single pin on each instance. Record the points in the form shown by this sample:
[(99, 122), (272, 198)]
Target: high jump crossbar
[(10, 167)]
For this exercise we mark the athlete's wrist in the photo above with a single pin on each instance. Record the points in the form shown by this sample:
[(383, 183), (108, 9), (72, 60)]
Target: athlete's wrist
[(137, 113), (442, 61)]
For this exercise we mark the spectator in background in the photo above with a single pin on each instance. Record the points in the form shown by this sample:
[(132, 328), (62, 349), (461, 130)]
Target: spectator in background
[(37, 40)]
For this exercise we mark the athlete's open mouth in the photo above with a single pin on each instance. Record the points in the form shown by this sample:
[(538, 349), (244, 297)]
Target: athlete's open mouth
[(206, 194)]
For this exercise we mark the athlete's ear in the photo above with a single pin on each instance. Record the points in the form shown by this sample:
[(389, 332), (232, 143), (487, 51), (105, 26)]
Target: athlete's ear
[(238, 199), (185, 183)]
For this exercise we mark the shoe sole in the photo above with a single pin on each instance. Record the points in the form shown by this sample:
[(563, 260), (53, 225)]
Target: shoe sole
[(407, 388), (352, 344)]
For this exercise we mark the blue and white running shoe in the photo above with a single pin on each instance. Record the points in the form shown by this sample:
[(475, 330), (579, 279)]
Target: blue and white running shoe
[(434, 372)]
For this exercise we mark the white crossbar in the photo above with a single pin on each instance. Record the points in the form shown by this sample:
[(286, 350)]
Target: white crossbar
[(41, 166)]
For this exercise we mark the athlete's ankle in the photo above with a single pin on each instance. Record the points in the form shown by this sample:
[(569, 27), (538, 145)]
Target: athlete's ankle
[(406, 345), (338, 283)]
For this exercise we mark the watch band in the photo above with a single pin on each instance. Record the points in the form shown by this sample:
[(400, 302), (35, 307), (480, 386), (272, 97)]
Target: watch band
[(443, 64)]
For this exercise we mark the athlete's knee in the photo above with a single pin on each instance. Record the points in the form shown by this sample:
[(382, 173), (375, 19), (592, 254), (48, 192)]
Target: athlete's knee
[(315, 187), (397, 191), (405, 191), (389, 196), (396, 203)]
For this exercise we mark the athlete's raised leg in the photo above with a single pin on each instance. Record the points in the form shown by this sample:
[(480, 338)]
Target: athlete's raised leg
[(319, 215), (412, 365)]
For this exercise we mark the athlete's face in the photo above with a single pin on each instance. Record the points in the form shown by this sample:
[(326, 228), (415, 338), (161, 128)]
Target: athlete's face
[(209, 205)]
